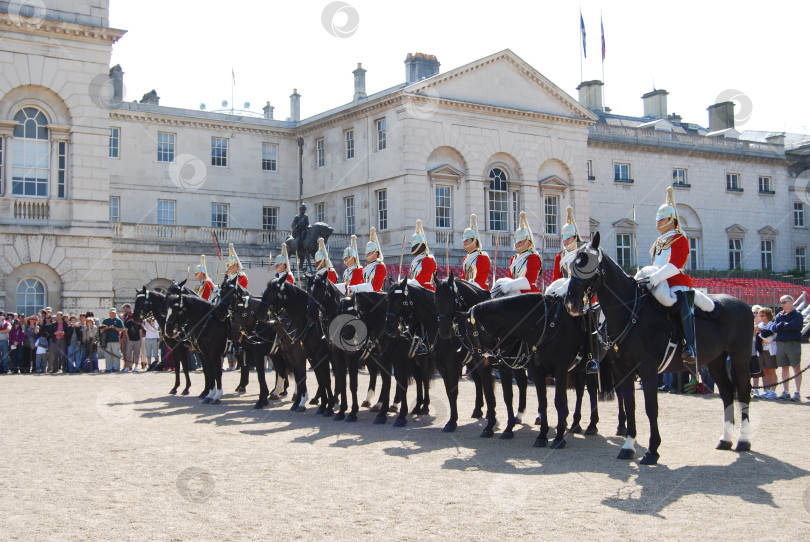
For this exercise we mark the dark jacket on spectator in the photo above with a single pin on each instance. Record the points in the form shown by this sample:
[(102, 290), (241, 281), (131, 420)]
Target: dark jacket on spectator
[(48, 331), (788, 326), (69, 331)]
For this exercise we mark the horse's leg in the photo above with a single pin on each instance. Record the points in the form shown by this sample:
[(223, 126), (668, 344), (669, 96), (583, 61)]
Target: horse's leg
[(506, 385), (485, 374), (539, 385), (593, 394), (402, 374), (373, 370), (176, 352), (354, 368), (717, 368), (385, 390), (740, 370), (478, 410), (561, 404), (579, 387), (542, 409), (300, 375), (217, 381), (417, 368), (650, 383), (427, 376), (185, 361), (626, 392), (522, 379), (451, 372), (340, 384), (210, 385), (264, 392), (244, 373)]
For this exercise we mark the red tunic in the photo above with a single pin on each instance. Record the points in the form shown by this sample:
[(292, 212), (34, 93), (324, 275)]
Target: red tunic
[(674, 250), (290, 277), (207, 290), (374, 274), (242, 280), (356, 276), (482, 266), (557, 274), (422, 269), (332, 276), (530, 269)]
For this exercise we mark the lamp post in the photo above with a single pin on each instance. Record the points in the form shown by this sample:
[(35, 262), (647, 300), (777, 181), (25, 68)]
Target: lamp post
[(300, 171)]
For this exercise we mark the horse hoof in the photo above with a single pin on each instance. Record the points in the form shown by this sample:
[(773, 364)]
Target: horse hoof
[(203, 395), (185, 392), (375, 408), (626, 453), (393, 409), (415, 411), (339, 417), (538, 421), (301, 408), (239, 389), (258, 406), (274, 397), (477, 414), (314, 401), (215, 401), (400, 422), (576, 429), (591, 430), (449, 427), (621, 431), (724, 445), (557, 444), (328, 413), (507, 435), (540, 442), (206, 400), (424, 410), (380, 419), (284, 394), (366, 404), (650, 458), (173, 391), (487, 433), (320, 411), (351, 417), (743, 446)]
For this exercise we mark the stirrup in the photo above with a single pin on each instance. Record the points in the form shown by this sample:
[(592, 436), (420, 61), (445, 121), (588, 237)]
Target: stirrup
[(592, 367), (688, 355)]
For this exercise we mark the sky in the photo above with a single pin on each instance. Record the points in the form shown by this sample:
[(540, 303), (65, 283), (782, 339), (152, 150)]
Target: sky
[(700, 52)]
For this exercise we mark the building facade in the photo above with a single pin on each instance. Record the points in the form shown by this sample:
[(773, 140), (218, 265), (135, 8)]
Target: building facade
[(101, 196)]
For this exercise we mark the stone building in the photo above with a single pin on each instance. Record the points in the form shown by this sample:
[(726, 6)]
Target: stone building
[(101, 196)]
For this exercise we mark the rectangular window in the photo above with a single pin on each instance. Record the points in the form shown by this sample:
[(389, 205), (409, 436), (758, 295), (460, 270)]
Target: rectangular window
[(765, 185), (552, 207), (679, 177), (693, 253), (320, 214), (219, 215), (621, 172), (382, 210), (320, 153), (269, 218), (624, 249), (115, 209), (498, 210), (766, 250), (165, 212), (515, 210), (115, 141), (589, 170), (269, 157), (733, 182), (443, 210), (381, 135), (1, 166), (350, 215), (30, 167), (61, 170), (801, 258), (165, 147), (735, 253), (798, 215), (349, 138), (219, 152)]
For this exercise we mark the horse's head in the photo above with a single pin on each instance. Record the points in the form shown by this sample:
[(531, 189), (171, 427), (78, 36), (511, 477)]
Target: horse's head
[(400, 308), (228, 297), (316, 287), (143, 305), (275, 295), (585, 275), (244, 310), (447, 304), (175, 314)]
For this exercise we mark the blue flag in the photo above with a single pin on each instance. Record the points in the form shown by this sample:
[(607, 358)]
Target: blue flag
[(582, 31)]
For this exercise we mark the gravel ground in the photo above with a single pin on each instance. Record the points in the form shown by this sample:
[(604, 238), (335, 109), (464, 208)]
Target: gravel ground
[(114, 457)]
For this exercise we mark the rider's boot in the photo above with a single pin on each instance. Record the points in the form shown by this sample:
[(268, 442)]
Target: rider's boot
[(686, 300)]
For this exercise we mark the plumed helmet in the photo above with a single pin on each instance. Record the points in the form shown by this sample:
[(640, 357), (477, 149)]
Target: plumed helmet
[(472, 231), (524, 232), (201, 267), (570, 228), (418, 237), (322, 254), (351, 250), (668, 210), (233, 259), (282, 258), (373, 245)]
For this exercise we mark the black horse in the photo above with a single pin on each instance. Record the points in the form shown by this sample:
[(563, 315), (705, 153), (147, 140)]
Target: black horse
[(305, 248), (640, 329), (154, 303), (191, 318), (256, 337)]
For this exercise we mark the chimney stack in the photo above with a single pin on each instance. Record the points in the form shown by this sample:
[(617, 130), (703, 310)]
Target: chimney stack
[(776, 139), (721, 116), (590, 94), (420, 66), (295, 106), (151, 98), (655, 104), (117, 79), (268, 111), (359, 83)]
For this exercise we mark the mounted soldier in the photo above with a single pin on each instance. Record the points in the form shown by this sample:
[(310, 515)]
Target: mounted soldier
[(423, 266), (374, 271), (524, 267), (353, 274), (323, 263), (476, 265), (235, 267), (300, 223), (304, 239), (282, 265), (204, 286)]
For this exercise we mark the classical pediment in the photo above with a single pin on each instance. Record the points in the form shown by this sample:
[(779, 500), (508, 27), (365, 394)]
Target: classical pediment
[(736, 229), (553, 182), (502, 80), (624, 224), (445, 172), (768, 231), (593, 224)]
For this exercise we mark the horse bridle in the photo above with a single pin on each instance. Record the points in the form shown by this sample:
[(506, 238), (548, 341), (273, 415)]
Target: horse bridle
[(404, 327)]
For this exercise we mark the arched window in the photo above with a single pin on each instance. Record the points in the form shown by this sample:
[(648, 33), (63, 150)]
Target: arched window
[(31, 154), (30, 296), (498, 200)]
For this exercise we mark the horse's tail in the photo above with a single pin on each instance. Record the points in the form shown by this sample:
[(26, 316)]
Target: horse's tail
[(606, 391)]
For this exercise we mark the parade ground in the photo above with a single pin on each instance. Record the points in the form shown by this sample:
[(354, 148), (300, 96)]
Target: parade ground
[(114, 457)]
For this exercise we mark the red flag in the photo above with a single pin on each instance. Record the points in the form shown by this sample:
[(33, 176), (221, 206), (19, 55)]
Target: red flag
[(603, 38)]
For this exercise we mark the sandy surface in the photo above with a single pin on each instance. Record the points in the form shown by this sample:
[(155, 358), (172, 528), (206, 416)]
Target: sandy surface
[(114, 457)]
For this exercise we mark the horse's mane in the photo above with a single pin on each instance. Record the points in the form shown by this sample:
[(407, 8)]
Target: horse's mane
[(512, 310), (473, 292)]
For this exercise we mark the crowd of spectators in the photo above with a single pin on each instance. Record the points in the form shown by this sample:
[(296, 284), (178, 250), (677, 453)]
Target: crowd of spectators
[(777, 345)]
